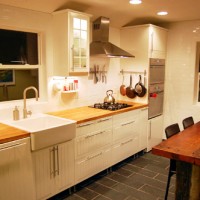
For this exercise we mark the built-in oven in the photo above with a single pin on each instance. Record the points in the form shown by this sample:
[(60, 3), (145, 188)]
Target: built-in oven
[(156, 71), (156, 87), (156, 98)]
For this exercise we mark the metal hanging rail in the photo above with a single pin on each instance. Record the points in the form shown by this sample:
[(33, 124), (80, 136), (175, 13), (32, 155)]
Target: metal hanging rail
[(134, 72)]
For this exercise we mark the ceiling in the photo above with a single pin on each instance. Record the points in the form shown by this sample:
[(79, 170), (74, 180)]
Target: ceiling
[(120, 12)]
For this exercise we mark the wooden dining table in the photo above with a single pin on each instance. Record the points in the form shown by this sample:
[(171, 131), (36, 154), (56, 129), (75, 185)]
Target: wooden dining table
[(184, 147)]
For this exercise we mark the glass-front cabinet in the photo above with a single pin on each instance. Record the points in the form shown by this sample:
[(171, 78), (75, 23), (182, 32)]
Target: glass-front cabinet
[(71, 42)]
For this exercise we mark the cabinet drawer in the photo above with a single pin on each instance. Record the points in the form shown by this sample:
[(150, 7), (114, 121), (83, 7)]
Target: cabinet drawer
[(124, 149), (125, 117), (92, 164), (92, 141), (124, 130), (94, 126)]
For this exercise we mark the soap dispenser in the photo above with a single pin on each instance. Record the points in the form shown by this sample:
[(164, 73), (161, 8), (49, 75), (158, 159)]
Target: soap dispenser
[(16, 113)]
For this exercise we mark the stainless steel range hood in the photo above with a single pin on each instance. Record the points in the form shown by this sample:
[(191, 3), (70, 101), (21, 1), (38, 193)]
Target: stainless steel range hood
[(100, 46)]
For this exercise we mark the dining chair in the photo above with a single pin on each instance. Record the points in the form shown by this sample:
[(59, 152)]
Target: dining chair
[(187, 122), (170, 131)]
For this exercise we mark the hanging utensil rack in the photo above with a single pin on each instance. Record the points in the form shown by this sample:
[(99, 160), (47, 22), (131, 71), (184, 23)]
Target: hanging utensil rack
[(134, 72)]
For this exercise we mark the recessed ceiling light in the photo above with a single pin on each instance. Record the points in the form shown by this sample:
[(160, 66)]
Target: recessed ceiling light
[(135, 1), (162, 13)]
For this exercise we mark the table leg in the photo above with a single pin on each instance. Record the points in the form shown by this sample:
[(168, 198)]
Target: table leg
[(187, 181)]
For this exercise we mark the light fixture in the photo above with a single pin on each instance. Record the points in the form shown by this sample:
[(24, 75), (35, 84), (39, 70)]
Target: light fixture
[(135, 1), (162, 13)]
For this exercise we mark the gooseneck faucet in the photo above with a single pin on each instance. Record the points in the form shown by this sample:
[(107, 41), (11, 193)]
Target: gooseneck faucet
[(25, 112)]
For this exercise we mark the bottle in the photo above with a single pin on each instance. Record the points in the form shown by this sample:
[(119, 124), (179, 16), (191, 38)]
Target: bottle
[(16, 113), (76, 84)]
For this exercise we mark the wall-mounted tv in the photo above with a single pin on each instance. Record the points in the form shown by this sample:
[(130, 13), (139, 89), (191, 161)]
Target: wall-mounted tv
[(7, 77)]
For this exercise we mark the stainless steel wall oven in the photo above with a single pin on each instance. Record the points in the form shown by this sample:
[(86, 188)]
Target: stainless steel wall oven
[(156, 87)]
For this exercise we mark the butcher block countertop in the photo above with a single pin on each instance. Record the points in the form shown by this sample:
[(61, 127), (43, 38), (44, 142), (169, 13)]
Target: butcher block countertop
[(80, 114), (9, 133), (85, 114)]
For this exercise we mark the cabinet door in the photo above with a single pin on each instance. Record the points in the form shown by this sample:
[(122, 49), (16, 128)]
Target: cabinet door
[(54, 169), (158, 42), (79, 42), (64, 165), (16, 177), (155, 131), (43, 168), (143, 126), (71, 42)]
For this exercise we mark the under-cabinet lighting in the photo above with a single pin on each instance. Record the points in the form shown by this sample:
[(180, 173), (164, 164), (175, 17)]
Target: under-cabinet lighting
[(135, 1), (162, 13)]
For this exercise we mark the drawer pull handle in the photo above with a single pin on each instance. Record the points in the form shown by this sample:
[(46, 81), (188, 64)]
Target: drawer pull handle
[(123, 143), (103, 120), (127, 123), (91, 157), (89, 136), (83, 125)]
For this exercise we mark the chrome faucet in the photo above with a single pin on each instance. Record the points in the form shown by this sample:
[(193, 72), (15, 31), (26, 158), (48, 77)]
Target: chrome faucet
[(25, 112)]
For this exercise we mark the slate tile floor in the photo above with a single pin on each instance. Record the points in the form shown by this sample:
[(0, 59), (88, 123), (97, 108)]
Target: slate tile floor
[(140, 177)]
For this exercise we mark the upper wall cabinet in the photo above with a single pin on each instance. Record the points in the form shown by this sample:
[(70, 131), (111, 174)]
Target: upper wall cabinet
[(71, 42), (144, 41)]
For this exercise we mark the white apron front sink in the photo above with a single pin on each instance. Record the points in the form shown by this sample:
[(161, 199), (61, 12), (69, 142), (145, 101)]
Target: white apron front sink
[(46, 130)]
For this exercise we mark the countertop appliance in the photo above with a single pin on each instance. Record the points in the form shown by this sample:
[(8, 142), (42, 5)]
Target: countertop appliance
[(156, 87), (110, 106)]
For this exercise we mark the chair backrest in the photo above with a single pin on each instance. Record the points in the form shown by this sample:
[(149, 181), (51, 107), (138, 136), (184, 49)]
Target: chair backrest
[(187, 122), (172, 130)]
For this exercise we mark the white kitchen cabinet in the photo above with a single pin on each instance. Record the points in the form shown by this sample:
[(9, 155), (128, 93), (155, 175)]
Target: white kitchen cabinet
[(71, 42), (92, 148), (155, 131), (144, 41), (54, 169), (16, 172), (125, 135), (143, 126)]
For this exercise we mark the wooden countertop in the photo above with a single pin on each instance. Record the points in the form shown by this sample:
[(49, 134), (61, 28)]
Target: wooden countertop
[(8, 133), (184, 146), (80, 114), (84, 114)]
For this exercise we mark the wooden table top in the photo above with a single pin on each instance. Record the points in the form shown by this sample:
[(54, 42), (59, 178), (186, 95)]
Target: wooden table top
[(184, 146)]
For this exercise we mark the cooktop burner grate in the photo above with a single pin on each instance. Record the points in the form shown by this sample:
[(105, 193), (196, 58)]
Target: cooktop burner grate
[(111, 106)]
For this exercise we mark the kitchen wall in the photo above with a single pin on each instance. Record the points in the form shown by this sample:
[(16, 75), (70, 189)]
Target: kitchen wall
[(180, 73), (180, 69)]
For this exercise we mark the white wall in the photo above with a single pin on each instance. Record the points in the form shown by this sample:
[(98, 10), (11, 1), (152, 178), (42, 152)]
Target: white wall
[(180, 73), (89, 92)]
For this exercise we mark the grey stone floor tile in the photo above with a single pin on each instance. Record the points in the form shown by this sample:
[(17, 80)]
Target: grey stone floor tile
[(87, 194), (100, 197), (134, 193), (108, 192), (139, 170), (73, 197), (106, 181)]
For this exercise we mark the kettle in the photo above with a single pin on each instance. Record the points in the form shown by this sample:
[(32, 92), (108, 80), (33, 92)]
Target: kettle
[(109, 98)]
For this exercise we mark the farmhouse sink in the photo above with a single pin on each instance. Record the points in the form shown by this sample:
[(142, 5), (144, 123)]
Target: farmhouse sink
[(46, 130)]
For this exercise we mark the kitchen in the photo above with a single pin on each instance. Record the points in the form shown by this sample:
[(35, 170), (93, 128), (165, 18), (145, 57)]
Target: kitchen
[(179, 90)]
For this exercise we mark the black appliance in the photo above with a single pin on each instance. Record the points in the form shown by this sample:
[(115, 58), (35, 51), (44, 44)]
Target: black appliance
[(110, 106)]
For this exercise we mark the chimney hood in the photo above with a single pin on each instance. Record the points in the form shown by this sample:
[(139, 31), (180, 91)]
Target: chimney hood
[(100, 46)]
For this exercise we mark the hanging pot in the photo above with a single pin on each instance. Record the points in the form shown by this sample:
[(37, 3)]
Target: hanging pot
[(130, 91), (123, 88), (109, 98), (140, 88)]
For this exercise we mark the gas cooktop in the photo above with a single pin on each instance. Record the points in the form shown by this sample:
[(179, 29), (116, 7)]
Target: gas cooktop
[(110, 106)]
